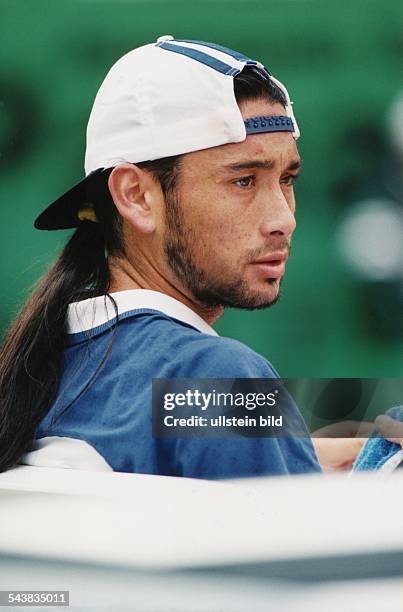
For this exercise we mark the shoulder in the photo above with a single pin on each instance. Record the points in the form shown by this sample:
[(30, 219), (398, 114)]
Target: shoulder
[(161, 340), (220, 357)]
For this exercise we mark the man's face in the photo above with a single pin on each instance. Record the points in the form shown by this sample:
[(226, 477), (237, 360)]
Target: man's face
[(231, 218)]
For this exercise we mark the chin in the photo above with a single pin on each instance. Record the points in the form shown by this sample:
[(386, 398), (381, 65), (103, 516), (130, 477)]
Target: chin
[(266, 301), (256, 299), (266, 296)]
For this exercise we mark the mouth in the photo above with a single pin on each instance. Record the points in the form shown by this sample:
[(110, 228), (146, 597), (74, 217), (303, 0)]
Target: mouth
[(272, 266)]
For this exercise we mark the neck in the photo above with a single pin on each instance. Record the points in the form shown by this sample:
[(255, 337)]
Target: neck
[(125, 276)]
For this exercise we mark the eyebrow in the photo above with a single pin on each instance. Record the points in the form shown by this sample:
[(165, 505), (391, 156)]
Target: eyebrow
[(266, 164)]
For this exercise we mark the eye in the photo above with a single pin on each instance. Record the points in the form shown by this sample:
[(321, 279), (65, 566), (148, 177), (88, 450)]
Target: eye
[(289, 180), (245, 181)]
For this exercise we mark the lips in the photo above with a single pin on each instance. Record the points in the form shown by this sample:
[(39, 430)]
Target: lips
[(272, 266)]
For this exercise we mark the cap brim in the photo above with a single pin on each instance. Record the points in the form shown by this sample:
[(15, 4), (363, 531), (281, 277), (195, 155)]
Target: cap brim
[(63, 212)]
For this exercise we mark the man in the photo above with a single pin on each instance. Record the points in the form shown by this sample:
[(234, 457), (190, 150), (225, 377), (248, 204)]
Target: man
[(191, 160)]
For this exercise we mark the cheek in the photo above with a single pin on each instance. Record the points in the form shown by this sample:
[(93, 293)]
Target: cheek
[(221, 247), (218, 227), (221, 232)]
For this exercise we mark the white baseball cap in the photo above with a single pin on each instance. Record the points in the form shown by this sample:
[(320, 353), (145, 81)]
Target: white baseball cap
[(163, 99)]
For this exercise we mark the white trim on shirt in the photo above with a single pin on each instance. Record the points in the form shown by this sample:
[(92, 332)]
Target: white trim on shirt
[(93, 312), (62, 452)]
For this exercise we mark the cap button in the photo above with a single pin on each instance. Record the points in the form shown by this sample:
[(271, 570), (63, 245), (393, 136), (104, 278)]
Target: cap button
[(165, 37)]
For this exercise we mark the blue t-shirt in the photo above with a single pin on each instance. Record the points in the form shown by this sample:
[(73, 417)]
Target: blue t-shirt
[(114, 413)]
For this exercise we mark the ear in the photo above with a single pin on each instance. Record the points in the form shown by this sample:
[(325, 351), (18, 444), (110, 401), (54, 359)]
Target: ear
[(136, 196)]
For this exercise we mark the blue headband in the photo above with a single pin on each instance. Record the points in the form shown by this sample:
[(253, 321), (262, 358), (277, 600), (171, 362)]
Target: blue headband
[(268, 123)]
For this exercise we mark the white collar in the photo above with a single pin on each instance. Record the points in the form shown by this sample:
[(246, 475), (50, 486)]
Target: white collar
[(87, 314)]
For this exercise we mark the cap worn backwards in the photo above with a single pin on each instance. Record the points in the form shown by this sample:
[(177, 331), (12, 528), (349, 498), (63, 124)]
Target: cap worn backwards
[(166, 98)]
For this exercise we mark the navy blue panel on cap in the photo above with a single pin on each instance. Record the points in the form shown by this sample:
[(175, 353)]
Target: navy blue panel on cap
[(63, 212), (199, 56), (235, 54), (269, 123)]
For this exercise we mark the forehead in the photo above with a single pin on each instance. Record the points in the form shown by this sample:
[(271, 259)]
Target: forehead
[(277, 147)]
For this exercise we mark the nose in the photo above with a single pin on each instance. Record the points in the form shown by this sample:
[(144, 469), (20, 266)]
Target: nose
[(279, 217)]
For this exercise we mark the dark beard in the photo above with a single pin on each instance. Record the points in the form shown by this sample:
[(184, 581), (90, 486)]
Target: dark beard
[(179, 255)]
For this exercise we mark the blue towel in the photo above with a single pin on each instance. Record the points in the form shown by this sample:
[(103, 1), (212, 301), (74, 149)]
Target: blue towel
[(377, 451)]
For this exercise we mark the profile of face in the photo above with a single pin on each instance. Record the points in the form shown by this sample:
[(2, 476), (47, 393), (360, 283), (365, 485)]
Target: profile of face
[(230, 219)]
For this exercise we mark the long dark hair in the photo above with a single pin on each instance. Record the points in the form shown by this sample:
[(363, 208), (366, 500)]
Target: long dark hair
[(32, 351)]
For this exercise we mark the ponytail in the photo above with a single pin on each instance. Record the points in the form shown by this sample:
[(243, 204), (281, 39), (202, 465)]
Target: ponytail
[(32, 351)]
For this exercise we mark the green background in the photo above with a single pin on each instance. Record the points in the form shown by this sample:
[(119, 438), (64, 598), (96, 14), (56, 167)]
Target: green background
[(341, 62)]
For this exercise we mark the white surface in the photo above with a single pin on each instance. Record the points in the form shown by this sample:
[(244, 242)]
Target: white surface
[(108, 485), (163, 522), (96, 588)]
